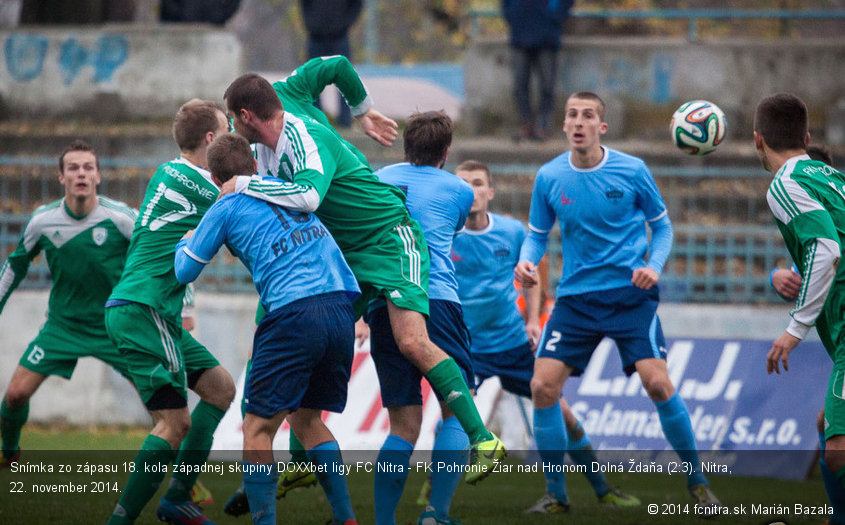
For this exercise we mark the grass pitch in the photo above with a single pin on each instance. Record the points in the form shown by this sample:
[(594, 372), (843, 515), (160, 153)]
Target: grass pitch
[(30, 497)]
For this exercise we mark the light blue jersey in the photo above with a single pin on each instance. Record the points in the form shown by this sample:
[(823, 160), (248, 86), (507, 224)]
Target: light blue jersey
[(602, 213), (484, 261), (290, 255), (440, 202)]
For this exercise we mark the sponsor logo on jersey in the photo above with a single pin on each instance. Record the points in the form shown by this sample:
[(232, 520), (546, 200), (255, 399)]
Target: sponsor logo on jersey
[(456, 257), (565, 200), (502, 252), (395, 294), (99, 234), (36, 355), (614, 194)]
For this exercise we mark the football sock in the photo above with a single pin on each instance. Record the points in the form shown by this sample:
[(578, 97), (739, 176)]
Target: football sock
[(246, 380), (445, 377), (156, 456), (12, 421), (674, 418), (581, 451), (451, 448), (833, 486), (297, 451), (392, 470), (550, 435), (260, 487), (194, 450), (331, 479)]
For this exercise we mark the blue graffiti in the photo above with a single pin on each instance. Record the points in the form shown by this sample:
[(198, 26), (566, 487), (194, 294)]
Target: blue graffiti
[(664, 66), (25, 56), (110, 53)]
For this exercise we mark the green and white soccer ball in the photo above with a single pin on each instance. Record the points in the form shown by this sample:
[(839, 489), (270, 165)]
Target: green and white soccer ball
[(698, 127)]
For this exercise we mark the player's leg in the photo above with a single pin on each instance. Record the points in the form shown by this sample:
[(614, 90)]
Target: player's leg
[(14, 411), (259, 469), (547, 77), (399, 382), (832, 486), (521, 70)]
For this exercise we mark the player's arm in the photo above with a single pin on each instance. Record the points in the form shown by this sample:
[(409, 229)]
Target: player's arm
[(196, 249), (661, 246), (787, 283), (188, 307), (541, 218), (290, 195), (533, 297), (14, 269)]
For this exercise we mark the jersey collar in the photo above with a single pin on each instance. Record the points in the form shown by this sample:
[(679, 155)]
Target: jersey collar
[(789, 165), (199, 169), (594, 168), (483, 230)]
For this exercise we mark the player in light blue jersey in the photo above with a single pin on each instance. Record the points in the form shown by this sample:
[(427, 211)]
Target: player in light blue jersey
[(485, 254), (603, 200), (440, 202), (303, 347)]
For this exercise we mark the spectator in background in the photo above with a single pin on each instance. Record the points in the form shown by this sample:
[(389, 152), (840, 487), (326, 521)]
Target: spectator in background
[(535, 30), (328, 23), (216, 12)]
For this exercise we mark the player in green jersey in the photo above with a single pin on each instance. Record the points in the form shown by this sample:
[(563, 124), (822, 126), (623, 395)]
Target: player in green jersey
[(143, 320), (382, 244), (84, 238), (807, 199)]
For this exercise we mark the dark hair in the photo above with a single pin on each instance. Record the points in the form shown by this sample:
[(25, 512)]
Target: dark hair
[(229, 155), (427, 136), (77, 145), (252, 92), (589, 95), (193, 120), (475, 165), (820, 153), (781, 120)]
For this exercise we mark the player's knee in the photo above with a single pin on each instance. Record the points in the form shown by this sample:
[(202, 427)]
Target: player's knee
[(216, 386), (658, 388), (412, 346), (17, 395), (544, 393), (820, 421), (834, 459)]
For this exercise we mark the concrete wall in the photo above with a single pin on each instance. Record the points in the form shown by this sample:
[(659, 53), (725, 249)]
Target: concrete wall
[(645, 79), (114, 71), (97, 394)]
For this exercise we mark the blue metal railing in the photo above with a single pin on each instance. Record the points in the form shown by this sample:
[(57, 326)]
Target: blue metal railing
[(693, 15)]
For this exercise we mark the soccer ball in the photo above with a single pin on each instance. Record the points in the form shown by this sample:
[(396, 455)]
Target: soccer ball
[(698, 127)]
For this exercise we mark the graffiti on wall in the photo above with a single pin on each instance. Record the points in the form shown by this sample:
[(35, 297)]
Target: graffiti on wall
[(26, 55)]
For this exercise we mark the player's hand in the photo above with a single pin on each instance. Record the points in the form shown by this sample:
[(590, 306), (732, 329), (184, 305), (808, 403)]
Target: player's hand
[(525, 274), (362, 331), (188, 234), (189, 323), (780, 352), (787, 283), (532, 328), (227, 187), (380, 128), (644, 278)]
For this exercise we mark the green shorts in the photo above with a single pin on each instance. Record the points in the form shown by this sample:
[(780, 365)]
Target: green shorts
[(831, 329), (394, 266), (157, 351), (57, 347)]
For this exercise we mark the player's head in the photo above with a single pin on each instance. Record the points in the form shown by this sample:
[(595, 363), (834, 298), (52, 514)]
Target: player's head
[(250, 98), (477, 175), (197, 123), (427, 138), (780, 125), (584, 121), (79, 170), (229, 155), (820, 153)]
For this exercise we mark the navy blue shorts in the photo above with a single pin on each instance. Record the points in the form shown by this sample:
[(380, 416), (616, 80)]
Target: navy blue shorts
[(398, 378), (514, 368), (302, 356), (627, 315)]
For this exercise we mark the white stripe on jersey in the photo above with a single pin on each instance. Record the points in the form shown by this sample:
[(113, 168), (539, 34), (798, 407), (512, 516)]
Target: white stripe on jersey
[(407, 236)]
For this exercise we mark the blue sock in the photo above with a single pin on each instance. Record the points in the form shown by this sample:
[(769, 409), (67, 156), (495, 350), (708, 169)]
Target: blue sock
[(451, 447), (674, 418), (392, 470), (550, 435), (833, 487), (581, 451), (331, 479), (260, 487)]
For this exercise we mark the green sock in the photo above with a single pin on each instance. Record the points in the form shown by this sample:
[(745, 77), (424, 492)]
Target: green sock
[(157, 455), (246, 380), (12, 421), (446, 379), (840, 474), (297, 451), (194, 450)]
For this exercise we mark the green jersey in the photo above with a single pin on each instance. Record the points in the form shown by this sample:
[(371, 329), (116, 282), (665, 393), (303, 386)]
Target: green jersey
[(85, 256), (807, 199), (177, 197)]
